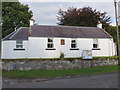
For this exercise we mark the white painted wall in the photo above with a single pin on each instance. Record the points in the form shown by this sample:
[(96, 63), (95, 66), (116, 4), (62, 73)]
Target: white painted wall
[(8, 51), (40, 45), (106, 46), (35, 47)]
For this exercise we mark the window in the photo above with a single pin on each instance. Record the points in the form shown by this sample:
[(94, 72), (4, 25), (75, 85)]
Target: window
[(62, 42), (50, 43), (73, 44), (95, 43), (19, 44)]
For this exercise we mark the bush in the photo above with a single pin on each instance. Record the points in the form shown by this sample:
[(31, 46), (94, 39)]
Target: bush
[(62, 55)]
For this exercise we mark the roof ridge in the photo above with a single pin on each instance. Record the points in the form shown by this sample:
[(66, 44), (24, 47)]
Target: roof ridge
[(65, 26)]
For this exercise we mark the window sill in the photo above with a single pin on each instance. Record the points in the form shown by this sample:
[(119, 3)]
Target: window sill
[(74, 48), (19, 49), (96, 49), (50, 49)]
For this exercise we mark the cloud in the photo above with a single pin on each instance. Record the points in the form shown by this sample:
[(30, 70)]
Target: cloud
[(46, 12), (66, 0)]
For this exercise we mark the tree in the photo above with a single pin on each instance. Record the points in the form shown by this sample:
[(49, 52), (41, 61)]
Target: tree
[(113, 32), (15, 15), (83, 17)]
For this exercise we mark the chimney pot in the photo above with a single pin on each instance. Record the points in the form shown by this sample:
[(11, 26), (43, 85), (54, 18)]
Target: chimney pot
[(99, 25)]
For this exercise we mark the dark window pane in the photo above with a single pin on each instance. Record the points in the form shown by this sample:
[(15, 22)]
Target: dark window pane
[(49, 45), (73, 45), (95, 46), (19, 46), (19, 42), (73, 41), (50, 40)]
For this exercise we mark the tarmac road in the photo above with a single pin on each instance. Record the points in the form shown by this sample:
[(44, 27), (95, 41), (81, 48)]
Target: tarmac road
[(106, 80)]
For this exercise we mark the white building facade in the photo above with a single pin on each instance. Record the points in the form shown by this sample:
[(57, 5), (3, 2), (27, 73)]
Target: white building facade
[(50, 44)]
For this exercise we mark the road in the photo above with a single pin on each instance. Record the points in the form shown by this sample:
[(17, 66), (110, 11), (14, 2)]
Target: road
[(108, 80)]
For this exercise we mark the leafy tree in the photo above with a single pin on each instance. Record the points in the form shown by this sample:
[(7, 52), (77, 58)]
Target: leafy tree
[(15, 15), (113, 32), (83, 17)]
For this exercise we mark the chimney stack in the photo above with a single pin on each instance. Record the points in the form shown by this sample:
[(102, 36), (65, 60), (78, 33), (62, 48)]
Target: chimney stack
[(99, 25), (31, 21), (30, 26)]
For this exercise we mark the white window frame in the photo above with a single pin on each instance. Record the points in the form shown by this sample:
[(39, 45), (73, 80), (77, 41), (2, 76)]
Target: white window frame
[(75, 43), (50, 43), (95, 42), (19, 44)]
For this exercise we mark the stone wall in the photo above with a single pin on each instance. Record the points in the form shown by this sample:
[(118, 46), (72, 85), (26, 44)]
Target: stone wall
[(55, 64)]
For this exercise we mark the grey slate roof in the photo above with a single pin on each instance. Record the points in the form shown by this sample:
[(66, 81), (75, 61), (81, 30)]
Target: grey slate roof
[(20, 34), (58, 31)]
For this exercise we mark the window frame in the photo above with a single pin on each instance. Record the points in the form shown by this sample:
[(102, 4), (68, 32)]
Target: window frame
[(74, 43), (19, 44), (95, 44), (50, 44)]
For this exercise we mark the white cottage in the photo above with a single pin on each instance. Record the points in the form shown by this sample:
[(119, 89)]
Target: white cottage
[(39, 41)]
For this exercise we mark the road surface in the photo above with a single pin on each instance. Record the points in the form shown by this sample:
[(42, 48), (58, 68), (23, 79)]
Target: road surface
[(107, 80)]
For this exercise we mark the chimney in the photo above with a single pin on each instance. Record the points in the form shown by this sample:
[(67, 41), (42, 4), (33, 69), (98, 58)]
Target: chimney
[(31, 21), (30, 31), (30, 26), (99, 25)]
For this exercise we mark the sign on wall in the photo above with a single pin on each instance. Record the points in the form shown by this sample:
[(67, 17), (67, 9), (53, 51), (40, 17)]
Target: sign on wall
[(87, 54)]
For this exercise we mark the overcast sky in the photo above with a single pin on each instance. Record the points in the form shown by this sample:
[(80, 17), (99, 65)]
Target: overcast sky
[(45, 13)]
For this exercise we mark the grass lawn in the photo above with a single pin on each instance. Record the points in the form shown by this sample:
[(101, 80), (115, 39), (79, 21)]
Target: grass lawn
[(56, 73), (59, 58)]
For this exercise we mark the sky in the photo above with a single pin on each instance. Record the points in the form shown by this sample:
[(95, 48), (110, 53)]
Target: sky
[(45, 12)]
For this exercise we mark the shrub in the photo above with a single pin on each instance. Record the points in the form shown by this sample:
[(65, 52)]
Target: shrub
[(62, 55)]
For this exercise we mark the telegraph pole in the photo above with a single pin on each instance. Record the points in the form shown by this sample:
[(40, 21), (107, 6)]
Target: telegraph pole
[(118, 44), (0, 28)]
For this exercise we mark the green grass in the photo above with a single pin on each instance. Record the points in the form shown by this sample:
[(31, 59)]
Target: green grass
[(107, 57), (61, 58), (56, 73), (45, 58)]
